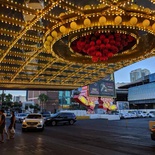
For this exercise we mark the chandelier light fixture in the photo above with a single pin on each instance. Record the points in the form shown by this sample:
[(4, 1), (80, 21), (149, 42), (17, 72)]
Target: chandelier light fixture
[(101, 33)]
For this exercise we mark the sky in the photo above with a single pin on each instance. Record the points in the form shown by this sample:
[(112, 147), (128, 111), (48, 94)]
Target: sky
[(122, 75)]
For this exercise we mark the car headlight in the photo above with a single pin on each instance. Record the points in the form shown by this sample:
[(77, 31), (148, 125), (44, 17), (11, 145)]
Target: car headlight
[(41, 121), (24, 121)]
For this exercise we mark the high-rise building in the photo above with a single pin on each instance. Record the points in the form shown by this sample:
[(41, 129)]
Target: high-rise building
[(138, 74), (19, 98)]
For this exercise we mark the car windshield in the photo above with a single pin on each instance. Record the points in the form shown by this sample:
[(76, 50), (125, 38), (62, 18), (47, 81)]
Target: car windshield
[(34, 116), (53, 115)]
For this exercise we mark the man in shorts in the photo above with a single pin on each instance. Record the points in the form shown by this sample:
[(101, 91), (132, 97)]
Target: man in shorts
[(2, 125)]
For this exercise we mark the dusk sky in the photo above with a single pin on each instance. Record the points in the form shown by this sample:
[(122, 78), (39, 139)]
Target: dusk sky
[(122, 75)]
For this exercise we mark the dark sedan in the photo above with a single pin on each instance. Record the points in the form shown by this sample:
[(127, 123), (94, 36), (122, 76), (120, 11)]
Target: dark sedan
[(61, 117)]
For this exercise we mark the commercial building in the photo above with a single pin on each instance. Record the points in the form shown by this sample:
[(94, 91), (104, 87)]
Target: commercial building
[(138, 73), (56, 99), (19, 98), (141, 94)]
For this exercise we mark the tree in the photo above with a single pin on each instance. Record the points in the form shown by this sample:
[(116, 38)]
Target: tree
[(31, 106), (43, 99), (2, 97), (8, 98), (36, 108)]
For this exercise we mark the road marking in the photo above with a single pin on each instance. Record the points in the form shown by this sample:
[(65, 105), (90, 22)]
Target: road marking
[(129, 137)]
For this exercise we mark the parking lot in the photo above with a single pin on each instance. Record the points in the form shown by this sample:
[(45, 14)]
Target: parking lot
[(85, 137)]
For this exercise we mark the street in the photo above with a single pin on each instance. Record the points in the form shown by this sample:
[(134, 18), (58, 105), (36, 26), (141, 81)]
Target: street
[(85, 137)]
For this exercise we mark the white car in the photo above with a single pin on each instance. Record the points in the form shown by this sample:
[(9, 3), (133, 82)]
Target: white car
[(132, 114), (20, 117), (151, 115), (142, 114), (33, 121), (125, 115)]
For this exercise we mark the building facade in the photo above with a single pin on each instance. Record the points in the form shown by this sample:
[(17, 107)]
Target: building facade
[(19, 98), (138, 74), (141, 94), (56, 99)]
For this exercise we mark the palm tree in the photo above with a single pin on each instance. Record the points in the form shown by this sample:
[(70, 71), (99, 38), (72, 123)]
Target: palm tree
[(43, 99)]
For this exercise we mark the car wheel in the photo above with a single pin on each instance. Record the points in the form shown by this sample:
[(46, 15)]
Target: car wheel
[(42, 129), (71, 122), (153, 136), (53, 123)]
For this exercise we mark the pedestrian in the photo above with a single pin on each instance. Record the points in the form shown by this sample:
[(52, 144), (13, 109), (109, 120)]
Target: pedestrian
[(5, 129), (2, 125), (12, 126)]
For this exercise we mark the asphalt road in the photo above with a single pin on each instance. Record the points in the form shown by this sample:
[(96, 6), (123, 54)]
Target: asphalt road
[(86, 137)]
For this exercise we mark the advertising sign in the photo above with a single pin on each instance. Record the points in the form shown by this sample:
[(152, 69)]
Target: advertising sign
[(94, 89), (104, 87), (122, 105)]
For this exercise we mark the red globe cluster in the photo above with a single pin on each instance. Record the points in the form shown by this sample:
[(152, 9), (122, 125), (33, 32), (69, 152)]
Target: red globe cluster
[(101, 46)]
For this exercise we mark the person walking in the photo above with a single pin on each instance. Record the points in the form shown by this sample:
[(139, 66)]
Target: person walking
[(2, 125), (5, 129), (12, 125)]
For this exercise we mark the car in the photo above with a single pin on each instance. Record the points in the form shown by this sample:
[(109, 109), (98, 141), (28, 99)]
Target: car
[(33, 121), (124, 115), (153, 132), (142, 114), (46, 115), (132, 114), (151, 115), (8, 113), (152, 112), (61, 117), (20, 117)]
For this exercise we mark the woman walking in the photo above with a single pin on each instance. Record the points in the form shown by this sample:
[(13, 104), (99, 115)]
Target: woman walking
[(12, 125)]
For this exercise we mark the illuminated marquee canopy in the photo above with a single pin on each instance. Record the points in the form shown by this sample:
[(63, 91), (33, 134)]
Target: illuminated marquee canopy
[(65, 44)]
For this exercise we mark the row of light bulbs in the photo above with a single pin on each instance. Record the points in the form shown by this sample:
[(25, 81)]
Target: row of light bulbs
[(153, 1), (28, 37), (102, 21), (22, 32)]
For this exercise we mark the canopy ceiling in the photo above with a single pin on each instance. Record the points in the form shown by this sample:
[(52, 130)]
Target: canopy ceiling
[(59, 44)]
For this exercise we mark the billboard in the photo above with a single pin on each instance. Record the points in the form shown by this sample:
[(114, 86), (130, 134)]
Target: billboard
[(122, 105), (104, 87)]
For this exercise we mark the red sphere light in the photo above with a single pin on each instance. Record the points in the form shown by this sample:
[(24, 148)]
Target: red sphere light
[(101, 46)]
